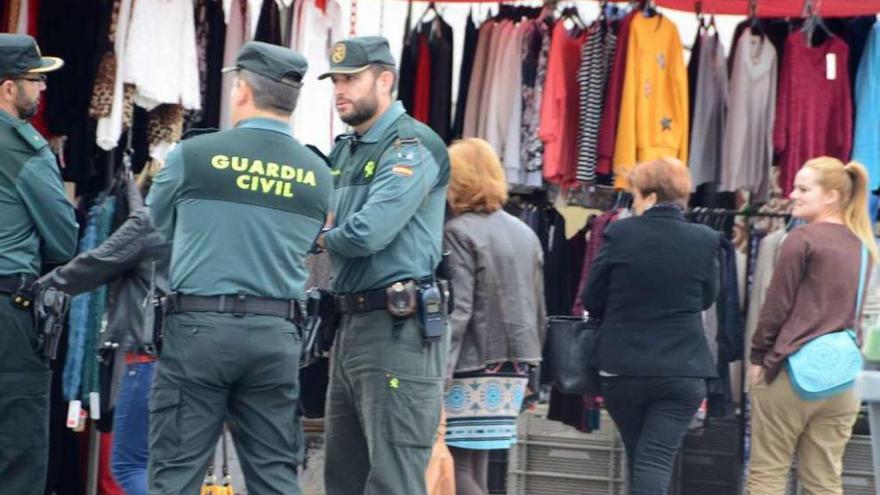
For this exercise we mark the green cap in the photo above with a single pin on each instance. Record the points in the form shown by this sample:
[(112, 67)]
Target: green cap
[(275, 62), (357, 54), (19, 54)]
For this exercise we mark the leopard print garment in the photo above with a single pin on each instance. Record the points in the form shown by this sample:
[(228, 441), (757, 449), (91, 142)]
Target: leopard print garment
[(165, 124), (102, 92), (128, 105)]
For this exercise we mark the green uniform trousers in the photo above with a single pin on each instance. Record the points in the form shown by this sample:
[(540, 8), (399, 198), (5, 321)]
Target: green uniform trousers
[(24, 403), (383, 406), (219, 367)]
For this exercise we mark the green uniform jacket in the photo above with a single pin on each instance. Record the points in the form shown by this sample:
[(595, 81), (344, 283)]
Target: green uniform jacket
[(389, 202), (242, 207), (37, 222)]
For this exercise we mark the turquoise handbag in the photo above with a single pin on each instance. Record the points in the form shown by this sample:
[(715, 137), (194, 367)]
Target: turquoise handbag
[(828, 365)]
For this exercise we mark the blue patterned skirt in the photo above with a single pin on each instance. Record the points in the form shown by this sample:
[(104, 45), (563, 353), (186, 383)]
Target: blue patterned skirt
[(482, 407)]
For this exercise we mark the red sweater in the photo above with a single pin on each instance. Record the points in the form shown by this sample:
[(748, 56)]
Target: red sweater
[(422, 110), (559, 108), (814, 114)]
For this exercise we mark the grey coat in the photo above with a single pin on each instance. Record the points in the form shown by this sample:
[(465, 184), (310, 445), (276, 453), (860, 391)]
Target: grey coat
[(497, 268), (126, 260)]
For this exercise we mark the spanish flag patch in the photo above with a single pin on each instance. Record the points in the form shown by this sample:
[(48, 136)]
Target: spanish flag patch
[(404, 170)]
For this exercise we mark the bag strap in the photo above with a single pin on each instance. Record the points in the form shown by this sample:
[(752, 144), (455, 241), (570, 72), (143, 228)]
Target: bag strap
[(862, 274)]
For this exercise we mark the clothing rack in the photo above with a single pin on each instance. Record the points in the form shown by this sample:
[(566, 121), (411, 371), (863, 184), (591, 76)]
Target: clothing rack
[(737, 213)]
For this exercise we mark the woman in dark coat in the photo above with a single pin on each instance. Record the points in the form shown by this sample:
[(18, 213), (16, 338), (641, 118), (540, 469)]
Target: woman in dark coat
[(654, 276)]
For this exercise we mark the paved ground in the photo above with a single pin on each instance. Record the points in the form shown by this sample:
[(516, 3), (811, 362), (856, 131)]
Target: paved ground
[(311, 476)]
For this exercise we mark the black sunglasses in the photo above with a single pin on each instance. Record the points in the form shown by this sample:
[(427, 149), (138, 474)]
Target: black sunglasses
[(37, 78)]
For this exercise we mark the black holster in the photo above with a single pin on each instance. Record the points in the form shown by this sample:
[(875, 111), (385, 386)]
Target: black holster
[(319, 325), (50, 308)]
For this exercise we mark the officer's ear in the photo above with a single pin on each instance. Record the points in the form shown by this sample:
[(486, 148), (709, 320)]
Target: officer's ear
[(8, 89), (242, 92), (386, 81)]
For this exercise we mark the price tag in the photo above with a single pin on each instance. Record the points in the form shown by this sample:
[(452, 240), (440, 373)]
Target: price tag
[(95, 405), (831, 66), (73, 409)]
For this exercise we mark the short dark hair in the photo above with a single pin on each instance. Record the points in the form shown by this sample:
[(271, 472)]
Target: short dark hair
[(271, 95), (378, 69)]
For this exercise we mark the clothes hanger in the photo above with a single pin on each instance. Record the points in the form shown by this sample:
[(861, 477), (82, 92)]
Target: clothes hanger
[(648, 8), (571, 13), (603, 8), (431, 8), (813, 20), (702, 25), (754, 25)]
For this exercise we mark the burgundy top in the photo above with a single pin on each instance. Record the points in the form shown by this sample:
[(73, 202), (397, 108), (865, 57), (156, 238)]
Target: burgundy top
[(813, 292), (422, 110), (814, 115), (597, 238), (613, 94)]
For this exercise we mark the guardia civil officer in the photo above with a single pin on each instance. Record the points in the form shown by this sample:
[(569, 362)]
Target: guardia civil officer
[(242, 208), (37, 225), (386, 385)]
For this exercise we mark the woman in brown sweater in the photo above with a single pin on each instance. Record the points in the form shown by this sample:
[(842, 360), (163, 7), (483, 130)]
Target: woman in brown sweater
[(813, 293)]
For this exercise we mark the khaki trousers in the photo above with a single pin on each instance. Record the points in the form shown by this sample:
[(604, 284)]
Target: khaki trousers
[(783, 423)]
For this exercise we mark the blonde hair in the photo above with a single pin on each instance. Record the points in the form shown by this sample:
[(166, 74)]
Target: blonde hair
[(666, 177), (477, 182), (851, 183)]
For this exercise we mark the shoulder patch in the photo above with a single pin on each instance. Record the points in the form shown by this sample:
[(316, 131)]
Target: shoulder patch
[(402, 170), (406, 130), (31, 135), (197, 132)]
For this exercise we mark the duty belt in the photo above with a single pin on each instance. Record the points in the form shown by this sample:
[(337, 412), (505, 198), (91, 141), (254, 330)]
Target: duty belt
[(361, 302), (237, 304), (369, 300), (20, 287)]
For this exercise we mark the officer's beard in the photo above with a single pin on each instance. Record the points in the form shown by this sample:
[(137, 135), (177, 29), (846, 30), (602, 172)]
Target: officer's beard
[(364, 109), (26, 108)]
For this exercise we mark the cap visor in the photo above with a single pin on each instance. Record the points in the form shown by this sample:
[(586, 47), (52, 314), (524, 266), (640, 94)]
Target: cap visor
[(48, 64), (228, 69), (343, 71)]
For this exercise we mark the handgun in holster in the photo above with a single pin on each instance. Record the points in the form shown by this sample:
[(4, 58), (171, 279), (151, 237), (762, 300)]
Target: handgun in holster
[(311, 325), (51, 307), (319, 326)]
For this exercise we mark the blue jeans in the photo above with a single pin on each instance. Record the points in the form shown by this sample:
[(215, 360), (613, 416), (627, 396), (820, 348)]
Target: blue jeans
[(131, 424)]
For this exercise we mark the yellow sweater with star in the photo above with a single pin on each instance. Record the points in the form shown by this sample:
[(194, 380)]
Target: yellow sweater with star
[(653, 120)]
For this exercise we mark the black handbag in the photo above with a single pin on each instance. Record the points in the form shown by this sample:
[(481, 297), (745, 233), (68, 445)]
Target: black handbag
[(570, 344)]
